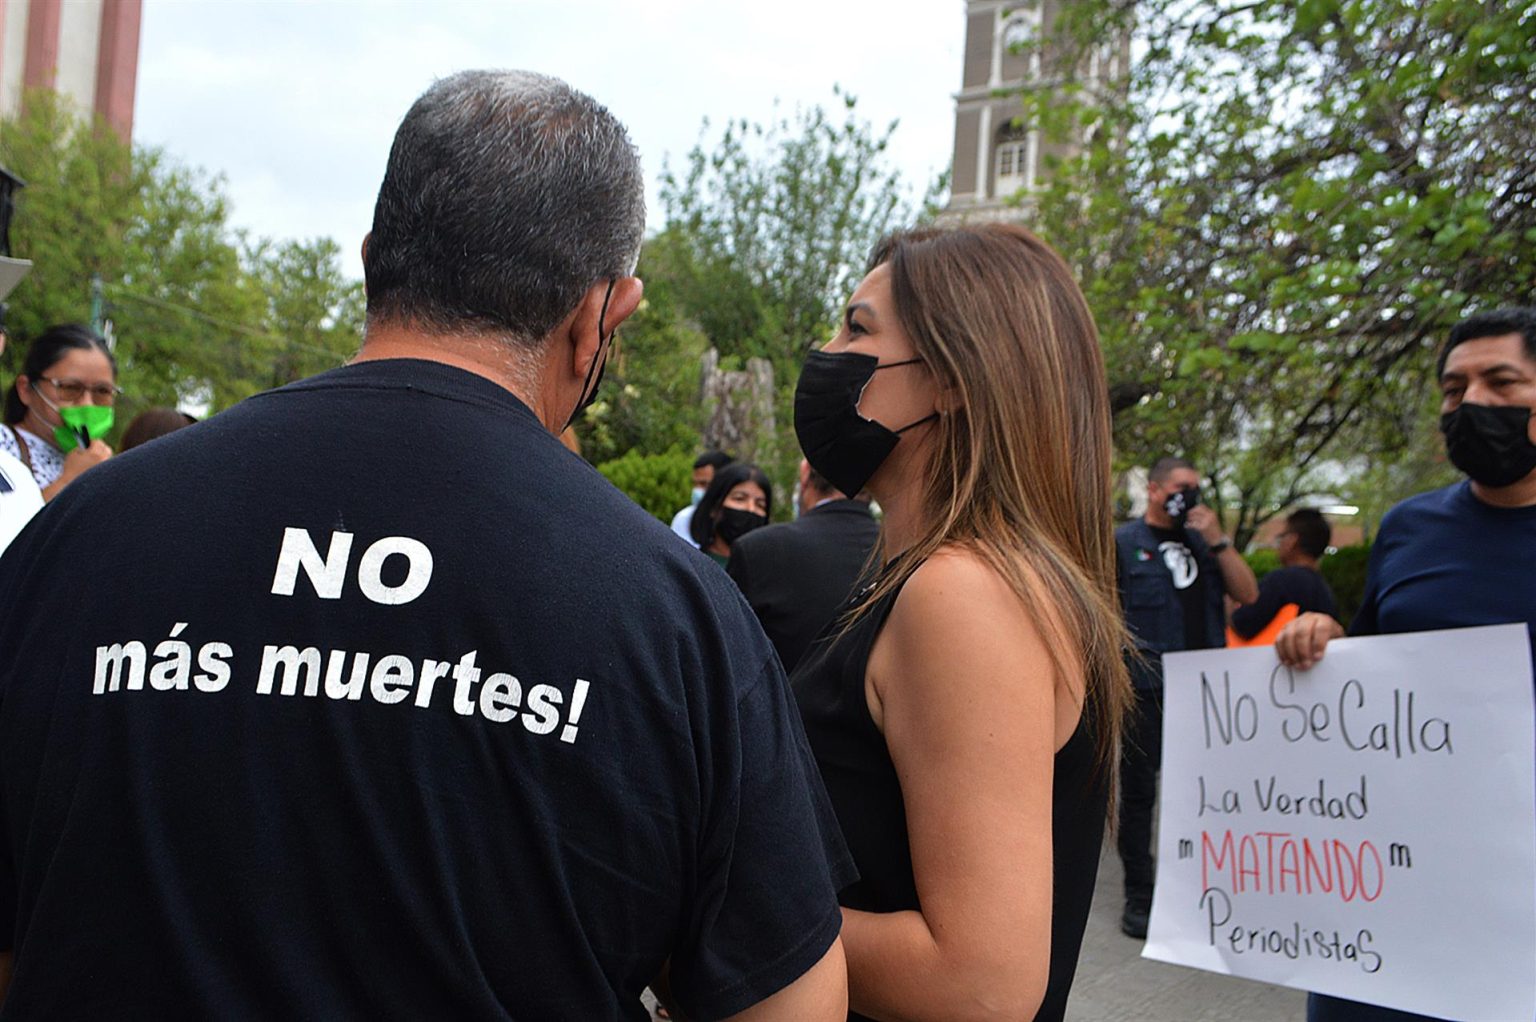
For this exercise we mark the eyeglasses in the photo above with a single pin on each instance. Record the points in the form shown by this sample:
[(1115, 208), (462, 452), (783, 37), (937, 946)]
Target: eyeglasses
[(74, 390)]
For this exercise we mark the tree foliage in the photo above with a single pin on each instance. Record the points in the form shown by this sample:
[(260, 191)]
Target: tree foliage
[(1279, 213), (768, 230), (768, 227), (649, 400), (198, 312)]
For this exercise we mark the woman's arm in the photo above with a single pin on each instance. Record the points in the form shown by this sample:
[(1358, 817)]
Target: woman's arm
[(76, 462), (962, 686)]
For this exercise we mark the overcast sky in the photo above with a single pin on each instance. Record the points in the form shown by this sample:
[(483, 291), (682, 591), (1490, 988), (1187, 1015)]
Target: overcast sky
[(295, 103)]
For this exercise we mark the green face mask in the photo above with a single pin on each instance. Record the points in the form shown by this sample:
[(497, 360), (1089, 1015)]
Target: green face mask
[(92, 420)]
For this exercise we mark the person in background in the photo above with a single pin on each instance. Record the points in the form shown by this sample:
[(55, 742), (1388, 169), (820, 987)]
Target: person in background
[(20, 497), (966, 712), (704, 468), (797, 574), (1295, 588), (1174, 565), (738, 499), (60, 406), (150, 424), (1460, 556)]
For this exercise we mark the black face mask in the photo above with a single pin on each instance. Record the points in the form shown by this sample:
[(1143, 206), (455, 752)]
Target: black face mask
[(1490, 443), (1178, 503), (735, 523), (600, 364), (840, 443)]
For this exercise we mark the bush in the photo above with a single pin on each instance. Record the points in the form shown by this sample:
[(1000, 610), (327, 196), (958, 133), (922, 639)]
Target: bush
[(657, 482), (1262, 561), (1344, 570)]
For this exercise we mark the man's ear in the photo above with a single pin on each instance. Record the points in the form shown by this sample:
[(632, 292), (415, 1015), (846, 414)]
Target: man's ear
[(365, 261), (582, 325)]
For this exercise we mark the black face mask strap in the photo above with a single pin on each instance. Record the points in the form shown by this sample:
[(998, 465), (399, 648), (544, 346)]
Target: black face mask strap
[(913, 425), (600, 358), (919, 422)]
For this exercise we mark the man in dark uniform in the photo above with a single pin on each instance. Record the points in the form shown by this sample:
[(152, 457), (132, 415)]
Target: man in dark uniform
[(367, 698), (1174, 565), (796, 575)]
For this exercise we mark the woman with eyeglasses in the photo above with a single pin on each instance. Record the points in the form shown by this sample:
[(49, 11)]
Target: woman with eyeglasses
[(60, 406)]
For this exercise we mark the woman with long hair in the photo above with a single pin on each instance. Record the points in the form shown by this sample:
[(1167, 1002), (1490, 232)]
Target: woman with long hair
[(738, 499), (966, 708), (60, 406)]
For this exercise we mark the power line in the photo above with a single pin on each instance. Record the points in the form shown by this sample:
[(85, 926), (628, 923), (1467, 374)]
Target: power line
[(120, 291)]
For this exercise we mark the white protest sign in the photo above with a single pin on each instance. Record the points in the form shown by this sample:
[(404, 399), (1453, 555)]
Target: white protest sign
[(1365, 829)]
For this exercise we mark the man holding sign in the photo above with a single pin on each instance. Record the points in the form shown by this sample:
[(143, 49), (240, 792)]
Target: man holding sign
[(1464, 555)]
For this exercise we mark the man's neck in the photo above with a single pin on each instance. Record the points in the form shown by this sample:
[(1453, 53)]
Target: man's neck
[(481, 354), (1299, 561), (1158, 521), (1520, 494)]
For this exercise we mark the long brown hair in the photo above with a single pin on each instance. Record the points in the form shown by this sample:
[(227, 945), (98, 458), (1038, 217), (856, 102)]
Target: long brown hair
[(1020, 472)]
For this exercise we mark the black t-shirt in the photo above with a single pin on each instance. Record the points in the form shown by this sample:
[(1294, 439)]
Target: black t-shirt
[(1184, 568), (367, 699), (1304, 587)]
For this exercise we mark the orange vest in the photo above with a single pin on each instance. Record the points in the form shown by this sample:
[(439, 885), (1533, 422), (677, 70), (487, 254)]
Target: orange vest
[(1267, 634)]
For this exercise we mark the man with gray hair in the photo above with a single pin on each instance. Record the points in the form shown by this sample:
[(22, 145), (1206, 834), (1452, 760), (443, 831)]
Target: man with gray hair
[(379, 702)]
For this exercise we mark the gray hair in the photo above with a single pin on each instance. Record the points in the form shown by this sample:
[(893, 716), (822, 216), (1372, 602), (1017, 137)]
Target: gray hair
[(508, 194)]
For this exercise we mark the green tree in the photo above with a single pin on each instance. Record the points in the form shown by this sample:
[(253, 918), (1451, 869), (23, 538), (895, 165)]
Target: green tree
[(767, 230), (197, 311), (1281, 210)]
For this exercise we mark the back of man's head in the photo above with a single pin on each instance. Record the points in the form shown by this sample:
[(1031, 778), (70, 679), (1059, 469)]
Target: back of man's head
[(1516, 319), (820, 485), (508, 194), (1312, 531), (1164, 467), (713, 459), (821, 488)]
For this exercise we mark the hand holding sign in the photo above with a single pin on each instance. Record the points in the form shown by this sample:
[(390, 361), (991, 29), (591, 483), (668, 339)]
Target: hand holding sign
[(1339, 829), (1301, 643)]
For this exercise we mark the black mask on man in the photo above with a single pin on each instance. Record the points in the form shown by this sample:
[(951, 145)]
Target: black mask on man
[(839, 443), (1178, 503), (599, 364), (735, 523), (1490, 443)]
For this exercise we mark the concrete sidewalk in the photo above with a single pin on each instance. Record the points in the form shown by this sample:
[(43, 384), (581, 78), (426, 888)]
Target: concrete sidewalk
[(1115, 984)]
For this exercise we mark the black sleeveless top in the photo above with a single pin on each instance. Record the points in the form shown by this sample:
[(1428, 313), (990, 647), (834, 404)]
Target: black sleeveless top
[(866, 794)]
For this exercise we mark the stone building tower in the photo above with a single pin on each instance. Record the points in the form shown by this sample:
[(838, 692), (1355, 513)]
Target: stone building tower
[(996, 157)]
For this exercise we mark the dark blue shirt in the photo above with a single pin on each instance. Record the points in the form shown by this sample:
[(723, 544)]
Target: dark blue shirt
[(1445, 559)]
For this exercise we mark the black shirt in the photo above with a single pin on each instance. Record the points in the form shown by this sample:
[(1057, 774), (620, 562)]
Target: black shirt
[(866, 792), (1302, 586), (368, 699), (1184, 568), (797, 575)]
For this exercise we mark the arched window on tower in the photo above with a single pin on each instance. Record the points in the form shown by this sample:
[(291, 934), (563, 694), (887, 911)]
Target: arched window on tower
[(1015, 156), (1021, 27)]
